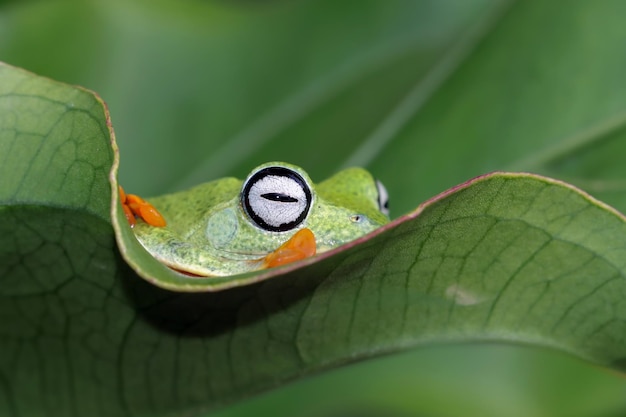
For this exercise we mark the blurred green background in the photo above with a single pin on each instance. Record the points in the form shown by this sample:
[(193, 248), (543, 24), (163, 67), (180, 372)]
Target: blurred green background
[(424, 93)]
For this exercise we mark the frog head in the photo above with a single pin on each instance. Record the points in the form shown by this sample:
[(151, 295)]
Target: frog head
[(229, 226)]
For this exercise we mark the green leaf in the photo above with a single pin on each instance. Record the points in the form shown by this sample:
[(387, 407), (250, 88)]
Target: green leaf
[(425, 94), (507, 257), (510, 257), (55, 146), (55, 158)]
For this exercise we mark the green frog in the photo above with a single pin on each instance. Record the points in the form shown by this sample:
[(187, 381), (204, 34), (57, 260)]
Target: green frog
[(275, 216)]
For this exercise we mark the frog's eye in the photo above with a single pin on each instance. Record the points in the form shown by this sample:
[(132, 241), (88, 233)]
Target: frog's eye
[(383, 198), (277, 199)]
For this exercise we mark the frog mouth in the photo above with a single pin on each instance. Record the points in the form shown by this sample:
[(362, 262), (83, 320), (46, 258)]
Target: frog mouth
[(186, 273), (246, 266), (300, 246)]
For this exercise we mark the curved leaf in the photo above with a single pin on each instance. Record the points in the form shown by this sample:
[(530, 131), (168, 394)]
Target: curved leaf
[(534, 86), (55, 148), (508, 257), (55, 157)]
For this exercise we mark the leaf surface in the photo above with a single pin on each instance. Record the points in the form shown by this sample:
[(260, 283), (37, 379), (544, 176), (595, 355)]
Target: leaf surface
[(509, 257), (425, 96)]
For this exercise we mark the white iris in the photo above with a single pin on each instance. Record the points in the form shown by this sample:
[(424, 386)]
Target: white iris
[(276, 213)]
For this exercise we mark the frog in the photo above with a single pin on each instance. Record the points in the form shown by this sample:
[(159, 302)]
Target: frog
[(275, 216)]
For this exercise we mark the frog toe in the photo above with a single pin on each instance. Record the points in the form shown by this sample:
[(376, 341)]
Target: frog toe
[(300, 246), (135, 206)]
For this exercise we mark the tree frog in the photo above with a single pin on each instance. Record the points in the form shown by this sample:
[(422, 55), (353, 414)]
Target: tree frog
[(275, 216)]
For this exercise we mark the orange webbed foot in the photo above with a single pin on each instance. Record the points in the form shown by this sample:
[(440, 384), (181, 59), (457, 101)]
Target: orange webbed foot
[(300, 246), (134, 205)]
